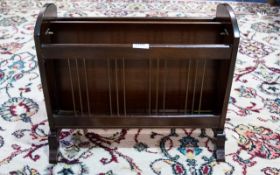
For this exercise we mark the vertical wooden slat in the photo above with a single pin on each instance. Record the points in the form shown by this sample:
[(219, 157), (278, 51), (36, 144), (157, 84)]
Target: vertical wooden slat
[(194, 86), (117, 86), (157, 86), (164, 86), (150, 86), (72, 87), (124, 94), (86, 83), (187, 85), (109, 85), (202, 86), (79, 86)]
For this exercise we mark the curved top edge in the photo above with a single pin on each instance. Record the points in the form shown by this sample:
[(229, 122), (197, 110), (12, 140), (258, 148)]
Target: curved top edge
[(48, 10), (225, 11)]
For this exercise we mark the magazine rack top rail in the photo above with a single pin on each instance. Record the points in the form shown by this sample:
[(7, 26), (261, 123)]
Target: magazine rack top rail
[(116, 72)]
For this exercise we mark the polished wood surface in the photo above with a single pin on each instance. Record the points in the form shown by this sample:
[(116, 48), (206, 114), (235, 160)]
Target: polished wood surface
[(136, 72)]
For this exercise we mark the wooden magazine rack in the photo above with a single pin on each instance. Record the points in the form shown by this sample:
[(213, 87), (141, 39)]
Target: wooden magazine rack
[(114, 72)]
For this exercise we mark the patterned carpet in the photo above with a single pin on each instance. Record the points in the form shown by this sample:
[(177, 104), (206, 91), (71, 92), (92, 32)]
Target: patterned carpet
[(253, 120)]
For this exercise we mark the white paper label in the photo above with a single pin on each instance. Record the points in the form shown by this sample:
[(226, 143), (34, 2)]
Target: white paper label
[(140, 46)]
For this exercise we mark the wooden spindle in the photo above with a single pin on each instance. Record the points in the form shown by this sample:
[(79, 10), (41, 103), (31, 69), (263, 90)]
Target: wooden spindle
[(194, 86), (72, 87), (187, 85), (124, 94), (117, 86), (79, 86), (86, 83), (150, 86), (109, 85), (202, 86), (164, 86), (157, 86)]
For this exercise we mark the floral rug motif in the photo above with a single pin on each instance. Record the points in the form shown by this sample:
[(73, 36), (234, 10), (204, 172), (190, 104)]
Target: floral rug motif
[(253, 118)]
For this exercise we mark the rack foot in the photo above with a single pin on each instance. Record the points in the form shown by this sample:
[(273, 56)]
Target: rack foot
[(220, 145), (53, 139)]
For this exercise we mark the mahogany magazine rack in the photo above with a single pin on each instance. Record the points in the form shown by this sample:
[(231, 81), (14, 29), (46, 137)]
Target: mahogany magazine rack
[(119, 72)]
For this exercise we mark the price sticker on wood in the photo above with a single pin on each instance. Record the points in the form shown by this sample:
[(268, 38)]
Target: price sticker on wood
[(141, 46)]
